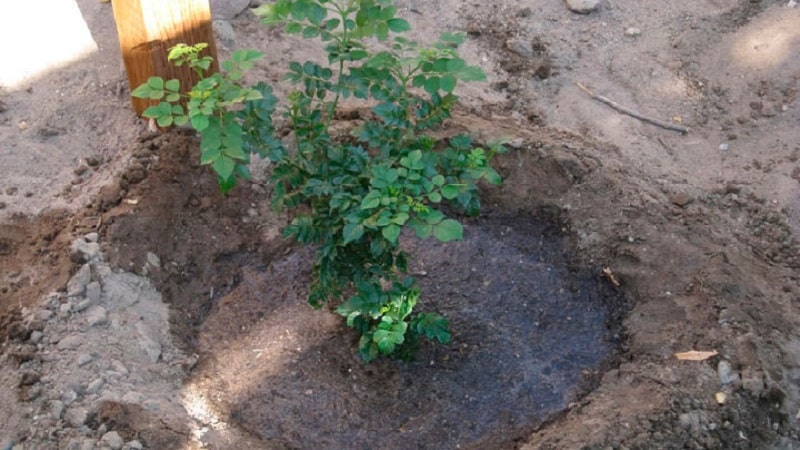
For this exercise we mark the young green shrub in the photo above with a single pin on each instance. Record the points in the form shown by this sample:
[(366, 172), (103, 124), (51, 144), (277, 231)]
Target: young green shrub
[(350, 197)]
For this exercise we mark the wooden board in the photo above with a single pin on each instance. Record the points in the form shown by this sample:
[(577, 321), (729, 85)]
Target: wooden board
[(148, 28)]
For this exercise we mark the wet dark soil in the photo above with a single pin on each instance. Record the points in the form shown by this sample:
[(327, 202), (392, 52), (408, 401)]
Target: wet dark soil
[(530, 335)]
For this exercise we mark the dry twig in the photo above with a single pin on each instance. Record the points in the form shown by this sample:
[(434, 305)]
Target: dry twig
[(632, 113)]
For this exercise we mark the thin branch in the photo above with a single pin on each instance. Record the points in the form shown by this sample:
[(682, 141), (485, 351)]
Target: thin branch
[(634, 114)]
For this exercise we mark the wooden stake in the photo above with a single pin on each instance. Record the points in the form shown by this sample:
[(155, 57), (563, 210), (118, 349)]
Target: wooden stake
[(149, 28)]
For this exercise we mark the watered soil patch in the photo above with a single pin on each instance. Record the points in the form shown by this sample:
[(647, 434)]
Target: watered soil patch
[(533, 326), (530, 335)]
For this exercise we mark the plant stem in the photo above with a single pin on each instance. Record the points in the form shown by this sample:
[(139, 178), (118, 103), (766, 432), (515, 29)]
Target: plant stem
[(342, 45)]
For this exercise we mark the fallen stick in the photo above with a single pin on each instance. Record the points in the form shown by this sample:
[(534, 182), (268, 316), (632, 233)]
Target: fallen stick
[(634, 114)]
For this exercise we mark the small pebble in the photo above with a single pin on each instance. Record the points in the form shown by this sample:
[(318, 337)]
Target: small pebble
[(96, 316), (76, 417), (36, 337), (632, 32), (582, 6), (113, 440), (152, 405), (64, 309), (69, 396), (56, 409), (153, 260), (82, 305), (84, 358), (725, 372), (94, 386), (70, 342)]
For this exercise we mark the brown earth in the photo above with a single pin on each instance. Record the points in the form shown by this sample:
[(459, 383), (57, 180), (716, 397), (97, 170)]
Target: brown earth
[(699, 230)]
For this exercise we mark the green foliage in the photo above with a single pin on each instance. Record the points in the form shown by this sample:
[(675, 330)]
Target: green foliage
[(351, 198), (214, 108)]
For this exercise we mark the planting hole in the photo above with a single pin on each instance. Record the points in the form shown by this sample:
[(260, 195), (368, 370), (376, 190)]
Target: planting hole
[(531, 332)]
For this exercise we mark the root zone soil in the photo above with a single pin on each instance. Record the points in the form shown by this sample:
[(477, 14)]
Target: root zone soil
[(532, 329)]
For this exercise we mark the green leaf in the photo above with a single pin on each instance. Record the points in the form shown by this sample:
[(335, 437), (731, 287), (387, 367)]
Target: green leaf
[(461, 142), (352, 232), (413, 160), (452, 38), (382, 31), (164, 121), (210, 155), (199, 122), (294, 28), (316, 14), (398, 25), (447, 83), (432, 85), (432, 217), (267, 11), (451, 191), (367, 349), (492, 176), (440, 65), (435, 197), (432, 325), (152, 112), (331, 24), (386, 13), (388, 339), (155, 83), (224, 167), (235, 153), (181, 120), (455, 65), (371, 200), (471, 73), (173, 85), (226, 184), (299, 9), (422, 229), (448, 230), (356, 55), (400, 219), (143, 91), (391, 233)]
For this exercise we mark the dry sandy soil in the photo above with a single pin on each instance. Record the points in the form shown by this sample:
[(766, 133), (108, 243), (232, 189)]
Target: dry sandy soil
[(140, 309)]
